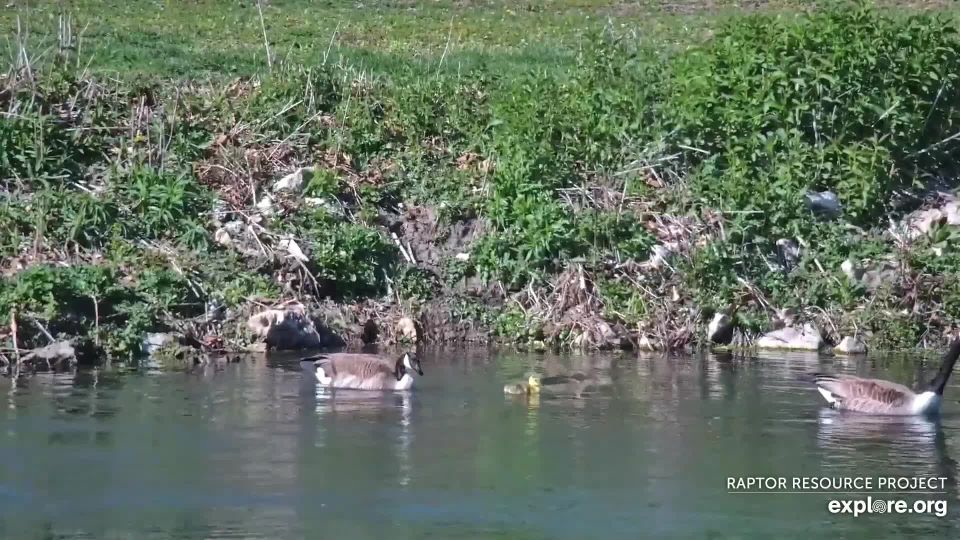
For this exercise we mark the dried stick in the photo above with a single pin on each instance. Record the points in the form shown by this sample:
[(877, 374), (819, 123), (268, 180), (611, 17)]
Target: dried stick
[(266, 42)]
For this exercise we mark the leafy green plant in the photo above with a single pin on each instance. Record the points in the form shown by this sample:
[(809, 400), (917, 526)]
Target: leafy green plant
[(161, 205), (849, 100)]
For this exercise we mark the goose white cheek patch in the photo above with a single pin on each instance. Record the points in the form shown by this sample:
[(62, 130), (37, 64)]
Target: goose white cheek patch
[(322, 376)]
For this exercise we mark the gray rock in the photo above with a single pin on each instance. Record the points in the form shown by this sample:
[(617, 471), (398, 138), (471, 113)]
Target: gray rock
[(824, 203), (239, 236), (882, 274), (265, 206), (791, 338), (850, 346), (294, 181), (53, 354), (155, 341), (788, 253), (605, 337), (331, 207)]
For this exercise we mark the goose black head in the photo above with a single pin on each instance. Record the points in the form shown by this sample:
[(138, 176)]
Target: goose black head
[(408, 362)]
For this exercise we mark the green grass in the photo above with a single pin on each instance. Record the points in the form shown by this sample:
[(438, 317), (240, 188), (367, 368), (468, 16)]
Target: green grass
[(220, 37), (216, 38)]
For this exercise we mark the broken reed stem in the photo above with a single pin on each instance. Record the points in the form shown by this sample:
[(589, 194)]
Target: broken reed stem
[(42, 329), (13, 334), (96, 320), (403, 251), (23, 60), (326, 53), (446, 48), (266, 42)]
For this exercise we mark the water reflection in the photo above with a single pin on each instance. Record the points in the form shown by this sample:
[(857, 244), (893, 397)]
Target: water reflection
[(913, 442), (259, 450)]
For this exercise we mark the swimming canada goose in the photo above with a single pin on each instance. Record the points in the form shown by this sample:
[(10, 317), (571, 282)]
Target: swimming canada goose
[(875, 396), (366, 371)]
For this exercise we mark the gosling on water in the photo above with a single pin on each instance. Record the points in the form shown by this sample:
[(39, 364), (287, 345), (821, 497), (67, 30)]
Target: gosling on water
[(530, 387), (876, 396)]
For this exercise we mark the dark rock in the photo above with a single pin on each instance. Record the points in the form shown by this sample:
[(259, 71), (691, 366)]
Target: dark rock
[(370, 332)]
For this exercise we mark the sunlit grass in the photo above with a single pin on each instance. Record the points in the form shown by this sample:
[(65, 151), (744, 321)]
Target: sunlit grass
[(211, 37)]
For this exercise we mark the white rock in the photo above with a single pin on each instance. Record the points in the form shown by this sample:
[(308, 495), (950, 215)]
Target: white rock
[(285, 328), (265, 205), (462, 256), (295, 180), (921, 222), (849, 270), (790, 338), (54, 353), (646, 344), (407, 329), (850, 346), (952, 212), (222, 237), (720, 329), (292, 248)]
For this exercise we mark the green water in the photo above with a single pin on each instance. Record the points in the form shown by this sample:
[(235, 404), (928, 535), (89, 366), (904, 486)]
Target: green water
[(255, 450)]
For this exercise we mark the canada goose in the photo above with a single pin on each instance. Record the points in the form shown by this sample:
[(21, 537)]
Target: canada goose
[(875, 396), (531, 386), (366, 371)]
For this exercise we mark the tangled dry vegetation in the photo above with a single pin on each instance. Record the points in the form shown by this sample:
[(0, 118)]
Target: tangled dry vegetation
[(622, 204)]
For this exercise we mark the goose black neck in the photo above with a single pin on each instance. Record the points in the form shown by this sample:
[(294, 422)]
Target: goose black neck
[(940, 381)]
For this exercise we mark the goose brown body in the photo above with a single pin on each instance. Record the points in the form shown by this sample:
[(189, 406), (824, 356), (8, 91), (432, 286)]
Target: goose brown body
[(873, 396), (876, 396), (366, 371)]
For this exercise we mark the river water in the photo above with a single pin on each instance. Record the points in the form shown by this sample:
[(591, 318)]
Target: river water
[(255, 450)]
